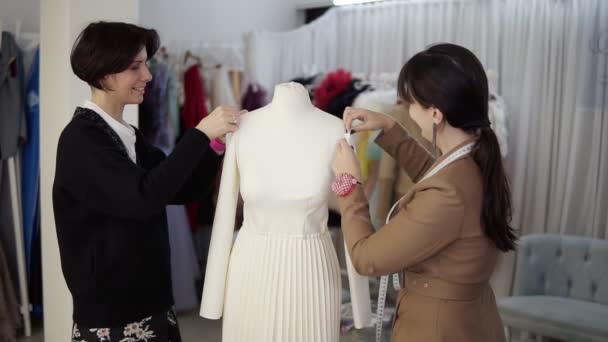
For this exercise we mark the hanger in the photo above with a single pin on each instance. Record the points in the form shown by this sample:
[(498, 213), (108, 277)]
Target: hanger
[(18, 23), (33, 38), (162, 54), (194, 58)]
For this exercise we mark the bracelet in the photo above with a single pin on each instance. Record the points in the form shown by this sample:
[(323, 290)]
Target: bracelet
[(344, 184)]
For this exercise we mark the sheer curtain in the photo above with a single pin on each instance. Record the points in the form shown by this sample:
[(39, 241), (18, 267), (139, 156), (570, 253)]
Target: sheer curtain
[(551, 60), (554, 80), (381, 37), (373, 38), (276, 57)]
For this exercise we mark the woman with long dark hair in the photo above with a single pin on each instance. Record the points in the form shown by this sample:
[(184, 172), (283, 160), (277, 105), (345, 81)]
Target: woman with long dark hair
[(447, 232)]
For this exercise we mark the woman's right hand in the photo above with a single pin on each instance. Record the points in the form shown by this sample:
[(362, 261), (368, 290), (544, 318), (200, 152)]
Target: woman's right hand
[(370, 121), (220, 121)]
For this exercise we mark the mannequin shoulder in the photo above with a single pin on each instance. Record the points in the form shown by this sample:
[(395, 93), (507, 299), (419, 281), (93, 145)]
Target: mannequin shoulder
[(333, 125), (248, 119)]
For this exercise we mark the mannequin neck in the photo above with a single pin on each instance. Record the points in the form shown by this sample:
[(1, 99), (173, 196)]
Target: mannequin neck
[(292, 97)]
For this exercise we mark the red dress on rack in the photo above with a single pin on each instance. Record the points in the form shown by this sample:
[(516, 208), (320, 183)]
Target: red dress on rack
[(194, 105), (193, 112)]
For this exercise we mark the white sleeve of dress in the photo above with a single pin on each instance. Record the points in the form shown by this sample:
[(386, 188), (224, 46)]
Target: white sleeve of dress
[(212, 302), (359, 294)]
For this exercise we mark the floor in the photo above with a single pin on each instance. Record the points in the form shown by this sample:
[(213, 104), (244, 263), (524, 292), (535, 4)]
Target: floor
[(197, 329)]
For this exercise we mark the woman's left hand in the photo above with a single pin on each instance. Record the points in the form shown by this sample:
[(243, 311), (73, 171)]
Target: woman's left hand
[(345, 160)]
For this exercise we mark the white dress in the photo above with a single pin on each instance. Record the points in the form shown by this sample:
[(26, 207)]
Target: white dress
[(281, 281)]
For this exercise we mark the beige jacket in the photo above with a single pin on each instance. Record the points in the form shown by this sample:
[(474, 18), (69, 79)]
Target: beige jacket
[(436, 238), (393, 182)]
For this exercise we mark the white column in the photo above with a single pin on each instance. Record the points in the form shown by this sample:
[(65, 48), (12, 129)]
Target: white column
[(60, 93)]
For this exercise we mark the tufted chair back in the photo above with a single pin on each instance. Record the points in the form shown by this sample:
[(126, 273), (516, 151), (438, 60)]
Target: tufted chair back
[(562, 266)]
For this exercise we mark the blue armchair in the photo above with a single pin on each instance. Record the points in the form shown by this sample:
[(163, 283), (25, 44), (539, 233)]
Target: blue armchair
[(560, 288)]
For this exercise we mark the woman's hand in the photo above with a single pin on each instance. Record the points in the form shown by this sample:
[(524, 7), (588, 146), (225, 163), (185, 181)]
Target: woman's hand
[(221, 121), (370, 120), (345, 160)]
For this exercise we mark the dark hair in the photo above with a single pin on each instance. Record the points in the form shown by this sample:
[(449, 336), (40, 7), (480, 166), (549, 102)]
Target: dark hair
[(105, 48), (450, 78)]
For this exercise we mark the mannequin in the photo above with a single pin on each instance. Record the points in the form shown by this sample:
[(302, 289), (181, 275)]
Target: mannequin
[(281, 280)]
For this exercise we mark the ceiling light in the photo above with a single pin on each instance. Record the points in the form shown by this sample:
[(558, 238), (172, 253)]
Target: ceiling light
[(352, 2)]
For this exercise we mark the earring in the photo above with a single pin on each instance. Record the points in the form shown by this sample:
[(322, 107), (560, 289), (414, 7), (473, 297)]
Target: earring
[(435, 140)]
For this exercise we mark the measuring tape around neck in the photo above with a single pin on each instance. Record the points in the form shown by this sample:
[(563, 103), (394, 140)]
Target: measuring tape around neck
[(461, 152)]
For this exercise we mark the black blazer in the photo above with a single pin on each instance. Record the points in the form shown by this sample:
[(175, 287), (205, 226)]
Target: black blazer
[(111, 220)]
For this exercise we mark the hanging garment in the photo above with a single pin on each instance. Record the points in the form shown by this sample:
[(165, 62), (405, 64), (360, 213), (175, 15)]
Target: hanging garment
[(310, 83), (193, 112), (219, 86), (254, 98), (184, 266), (374, 155), (221, 89), (9, 309), (153, 109), (7, 221), (30, 180), (194, 103), (362, 141), (334, 84), (306, 81), (12, 115), (338, 104), (173, 114), (12, 135), (377, 101), (221, 95)]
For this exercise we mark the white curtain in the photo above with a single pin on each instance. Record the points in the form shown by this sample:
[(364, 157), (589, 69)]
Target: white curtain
[(554, 80), (373, 38), (276, 57), (551, 57), (553, 83)]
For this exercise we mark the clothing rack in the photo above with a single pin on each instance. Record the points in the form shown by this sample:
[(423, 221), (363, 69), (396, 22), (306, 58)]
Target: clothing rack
[(17, 212), (230, 55), (209, 56)]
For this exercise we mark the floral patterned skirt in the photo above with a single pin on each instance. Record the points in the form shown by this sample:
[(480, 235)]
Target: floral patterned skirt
[(159, 328)]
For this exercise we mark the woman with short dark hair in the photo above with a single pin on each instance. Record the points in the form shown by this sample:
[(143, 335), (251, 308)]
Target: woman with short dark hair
[(446, 233), (111, 189)]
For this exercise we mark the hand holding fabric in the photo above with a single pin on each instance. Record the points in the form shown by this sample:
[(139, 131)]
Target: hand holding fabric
[(370, 120), (221, 121), (345, 160)]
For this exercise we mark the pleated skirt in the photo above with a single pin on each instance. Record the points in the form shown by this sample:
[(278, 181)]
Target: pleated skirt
[(282, 288)]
